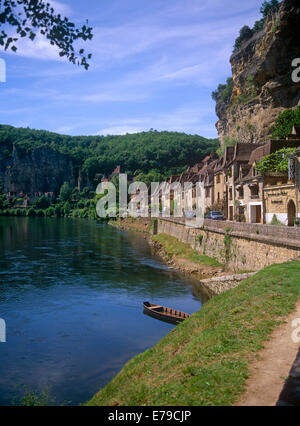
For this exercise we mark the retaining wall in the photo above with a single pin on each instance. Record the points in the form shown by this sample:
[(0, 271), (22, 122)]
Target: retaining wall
[(241, 246)]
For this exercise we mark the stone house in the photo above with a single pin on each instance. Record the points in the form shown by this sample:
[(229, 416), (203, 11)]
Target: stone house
[(282, 191), (235, 171)]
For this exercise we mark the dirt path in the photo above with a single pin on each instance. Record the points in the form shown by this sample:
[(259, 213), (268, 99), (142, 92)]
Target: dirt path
[(268, 374)]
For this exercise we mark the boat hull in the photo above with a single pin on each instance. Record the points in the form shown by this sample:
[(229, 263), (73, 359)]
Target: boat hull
[(160, 313)]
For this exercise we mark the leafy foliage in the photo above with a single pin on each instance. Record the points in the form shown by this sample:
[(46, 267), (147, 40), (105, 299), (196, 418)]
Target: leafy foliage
[(246, 32), (165, 153), (275, 221), (65, 192), (30, 17), (224, 91), (276, 162), (285, 122), (267, 7)]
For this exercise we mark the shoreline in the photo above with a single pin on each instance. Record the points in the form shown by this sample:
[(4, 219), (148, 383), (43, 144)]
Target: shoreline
[(214, 278), (209, 359)]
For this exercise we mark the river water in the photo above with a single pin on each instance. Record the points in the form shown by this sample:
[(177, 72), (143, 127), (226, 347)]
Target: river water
[(71, 294)]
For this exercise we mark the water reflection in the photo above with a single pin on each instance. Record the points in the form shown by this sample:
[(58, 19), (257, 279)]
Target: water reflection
[(71, 292)]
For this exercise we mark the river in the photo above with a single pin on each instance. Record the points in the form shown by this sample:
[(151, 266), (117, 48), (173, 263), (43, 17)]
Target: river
[(71, 294)]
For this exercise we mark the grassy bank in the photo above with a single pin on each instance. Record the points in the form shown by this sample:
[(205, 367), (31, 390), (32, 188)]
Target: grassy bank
[(204, 361), (174, 248)]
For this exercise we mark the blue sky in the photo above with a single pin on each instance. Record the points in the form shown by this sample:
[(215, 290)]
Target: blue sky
[(154, 65)]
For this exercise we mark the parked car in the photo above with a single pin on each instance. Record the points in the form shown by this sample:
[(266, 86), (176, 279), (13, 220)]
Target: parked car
[(190, 214), (215, 216)]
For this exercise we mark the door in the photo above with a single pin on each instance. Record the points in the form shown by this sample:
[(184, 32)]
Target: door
[(291, 213), (258, 214)]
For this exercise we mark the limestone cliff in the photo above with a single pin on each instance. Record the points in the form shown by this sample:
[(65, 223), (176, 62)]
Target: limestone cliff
[(39, 171), (262, 82)]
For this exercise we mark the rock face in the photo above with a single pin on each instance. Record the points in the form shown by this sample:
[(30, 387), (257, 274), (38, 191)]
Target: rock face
[(262, 75), (40, 171)]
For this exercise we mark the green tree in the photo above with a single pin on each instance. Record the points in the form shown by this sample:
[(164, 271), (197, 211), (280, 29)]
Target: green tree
[(224, 91), (31, 17), (245, 34), (67, 209), (65, 192), (50, 212), (3, 200), (267, 7)]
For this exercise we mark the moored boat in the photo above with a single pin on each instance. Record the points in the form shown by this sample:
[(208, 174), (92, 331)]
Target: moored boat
[(164, 314)]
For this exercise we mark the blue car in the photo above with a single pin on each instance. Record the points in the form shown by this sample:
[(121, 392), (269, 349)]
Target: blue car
[(215, 216)]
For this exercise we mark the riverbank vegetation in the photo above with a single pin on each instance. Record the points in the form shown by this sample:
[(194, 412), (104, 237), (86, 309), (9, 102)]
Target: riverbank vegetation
[(205, 360), (70, 203), (174, 248)]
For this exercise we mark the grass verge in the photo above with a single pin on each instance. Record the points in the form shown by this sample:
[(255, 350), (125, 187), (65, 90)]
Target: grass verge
[(174, 248), (204, 361)]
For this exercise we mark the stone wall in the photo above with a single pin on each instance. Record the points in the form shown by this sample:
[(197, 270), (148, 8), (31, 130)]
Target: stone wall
[(241, 246)]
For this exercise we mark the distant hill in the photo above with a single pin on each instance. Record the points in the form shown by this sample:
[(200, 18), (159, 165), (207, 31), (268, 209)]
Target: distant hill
[(164, 153)]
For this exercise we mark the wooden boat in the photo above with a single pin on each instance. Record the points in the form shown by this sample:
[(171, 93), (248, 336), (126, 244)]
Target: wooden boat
[(164, 314)]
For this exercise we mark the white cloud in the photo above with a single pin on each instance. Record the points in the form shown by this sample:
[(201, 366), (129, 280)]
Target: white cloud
[(189, 119), (119, 130), (60, 7)]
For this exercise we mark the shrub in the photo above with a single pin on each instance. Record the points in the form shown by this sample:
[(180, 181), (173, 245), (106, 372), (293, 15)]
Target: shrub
[(58, 210), (40, 213), (31, 212), (67, 208), (65, 192), (285, 122), (275, 221), (245, 34), (267, 7), (258, 26), (42, 203), (50, 212), (224, 91)]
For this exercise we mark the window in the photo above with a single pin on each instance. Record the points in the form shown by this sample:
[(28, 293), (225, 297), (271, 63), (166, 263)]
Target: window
[(254, 191), (218, 179)]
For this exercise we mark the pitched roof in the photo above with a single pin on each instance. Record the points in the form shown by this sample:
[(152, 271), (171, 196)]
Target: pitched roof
[(296, 130), (243, 151)]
